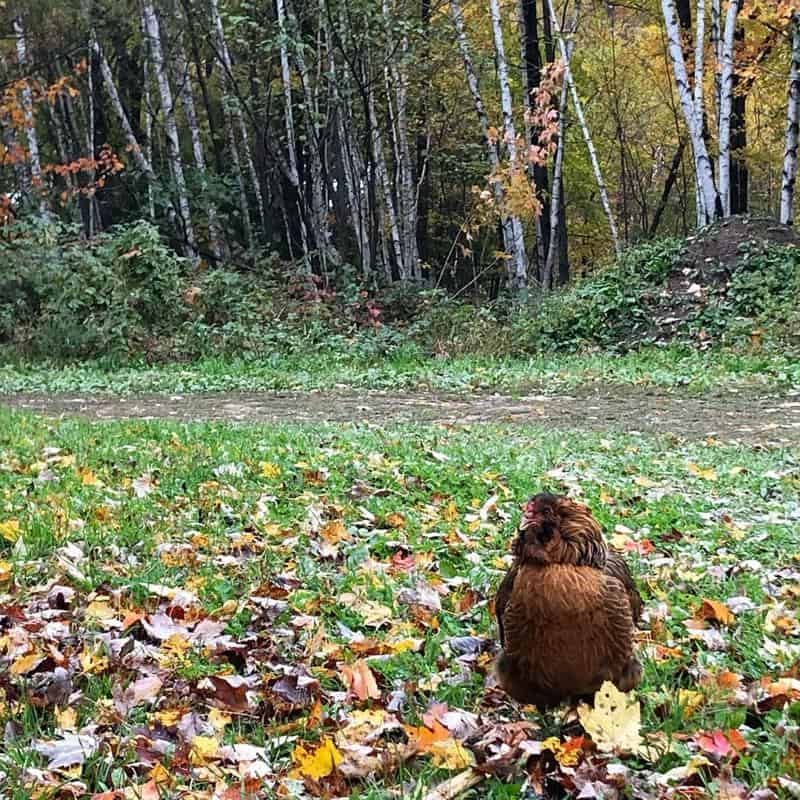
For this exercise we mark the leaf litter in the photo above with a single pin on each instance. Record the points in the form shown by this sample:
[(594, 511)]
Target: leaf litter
[(209, 618)]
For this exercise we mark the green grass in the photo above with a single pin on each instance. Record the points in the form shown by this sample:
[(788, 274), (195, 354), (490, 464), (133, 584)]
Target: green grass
[(671, 368), (217, 523)]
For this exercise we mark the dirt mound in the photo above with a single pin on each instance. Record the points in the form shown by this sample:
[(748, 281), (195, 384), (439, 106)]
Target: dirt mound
[(708, 263)]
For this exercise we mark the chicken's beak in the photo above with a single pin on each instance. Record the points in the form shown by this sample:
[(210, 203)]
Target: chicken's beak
[(525, 523)]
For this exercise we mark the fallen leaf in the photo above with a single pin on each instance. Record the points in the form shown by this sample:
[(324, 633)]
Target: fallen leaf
[(451, 754), (716, 611), (318, 763), (360, 680), (70, 750), (706, 474), (10, 530), (614, 721)]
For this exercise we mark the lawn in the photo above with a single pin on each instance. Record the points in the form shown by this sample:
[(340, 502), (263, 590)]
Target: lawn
[(218, 611), (672, 368)]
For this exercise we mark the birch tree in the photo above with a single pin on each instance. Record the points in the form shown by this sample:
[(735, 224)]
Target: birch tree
[(233, 118), (170, 127), (584, 126), (518, 267), (726, 105), (792, 126), (704, 176), (27, 110), (184, 85), (511, 225)]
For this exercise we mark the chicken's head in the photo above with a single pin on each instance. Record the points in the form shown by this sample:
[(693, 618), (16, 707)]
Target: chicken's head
[(557, 530)]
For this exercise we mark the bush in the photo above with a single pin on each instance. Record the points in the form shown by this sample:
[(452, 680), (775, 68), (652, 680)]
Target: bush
[(64, 297), (611, 308)]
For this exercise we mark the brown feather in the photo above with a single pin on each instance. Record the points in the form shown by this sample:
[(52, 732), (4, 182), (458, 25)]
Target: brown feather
[(566, 609)]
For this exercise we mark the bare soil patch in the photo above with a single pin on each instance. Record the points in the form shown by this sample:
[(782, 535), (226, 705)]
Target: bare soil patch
[(748, 419)]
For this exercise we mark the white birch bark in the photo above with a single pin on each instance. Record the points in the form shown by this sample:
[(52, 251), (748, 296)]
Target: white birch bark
[(170, 127), (406, 192), (716, 46), (184, 85), (288, 112), (703, 172), (139, 157), (726, 106), (149, 117), (232, 114), (792, 123), (28, 115), (382, 176), (326, 250), (587, 135), (699, 63), (558, 184), (508, 222), (518, 272), (352, 167)]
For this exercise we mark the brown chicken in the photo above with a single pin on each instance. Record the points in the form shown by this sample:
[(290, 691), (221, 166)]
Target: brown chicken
[(567, 609)]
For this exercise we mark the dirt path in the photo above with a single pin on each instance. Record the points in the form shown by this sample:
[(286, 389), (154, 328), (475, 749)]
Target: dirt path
[(766, 420)]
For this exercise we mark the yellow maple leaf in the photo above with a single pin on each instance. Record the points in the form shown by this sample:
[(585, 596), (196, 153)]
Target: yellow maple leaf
[(690, 701), (219, 719), (269, 470), (169, 717), (645, 483), (317, 763), (100, 609), (451, 754), (707, 474), (10, 530), (6, 571), (614, 721), (204, 749), (450, 513), (66, 719), (93, 661), (24, 664), (88, 478)]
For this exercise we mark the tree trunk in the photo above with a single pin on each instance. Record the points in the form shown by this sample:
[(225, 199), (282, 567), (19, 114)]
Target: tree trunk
[(518, 264), (29, 120), (793, 120), (672, 176), (423, 172), (138, 155), (726, 105), (406, 191), (184, 83), (712, 206), (587, 136), (170, 128), (511, 225), (740, 178), (532, 59), (231, 113)]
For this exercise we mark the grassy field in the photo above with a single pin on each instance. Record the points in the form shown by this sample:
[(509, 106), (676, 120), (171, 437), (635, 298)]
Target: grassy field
[(216, 611), (671, 368)]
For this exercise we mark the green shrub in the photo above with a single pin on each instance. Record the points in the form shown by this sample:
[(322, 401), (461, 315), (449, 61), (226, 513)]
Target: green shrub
[(64, 297), (611, 308)]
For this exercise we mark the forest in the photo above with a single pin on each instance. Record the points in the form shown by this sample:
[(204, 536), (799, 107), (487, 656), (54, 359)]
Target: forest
[(507, 147)]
